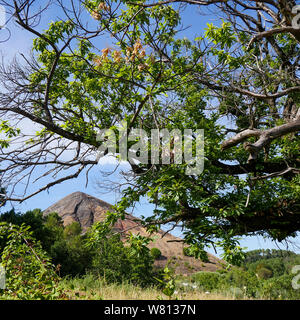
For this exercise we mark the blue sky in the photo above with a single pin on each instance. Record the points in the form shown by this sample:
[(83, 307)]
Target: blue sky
[(20, 42)]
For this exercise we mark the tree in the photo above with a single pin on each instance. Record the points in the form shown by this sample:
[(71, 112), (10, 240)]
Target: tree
[(116, 261), (239, 81), (71, 256), (264, 254), (64, 245)]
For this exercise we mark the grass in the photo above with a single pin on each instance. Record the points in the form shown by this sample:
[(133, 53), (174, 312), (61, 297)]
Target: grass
[(91, 288)]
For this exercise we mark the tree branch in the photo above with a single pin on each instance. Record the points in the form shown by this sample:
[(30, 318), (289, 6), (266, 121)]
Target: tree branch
[(269, 33), (265, 137)]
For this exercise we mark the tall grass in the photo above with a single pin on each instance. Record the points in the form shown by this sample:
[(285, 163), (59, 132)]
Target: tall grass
[(90, 287)]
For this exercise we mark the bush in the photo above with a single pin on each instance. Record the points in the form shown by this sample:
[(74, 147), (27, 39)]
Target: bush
[(155, 253), (29, 271), (64, 245), (186, 251), (244, 280), (279, 288), (207, 281), (279, 262), (70, 252), (264, 272), (117, 262), (242, 283)]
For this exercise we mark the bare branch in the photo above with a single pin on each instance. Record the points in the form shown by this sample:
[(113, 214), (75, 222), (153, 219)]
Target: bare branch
[(277, 174), (240, 137), (274, 31), (265, 137)]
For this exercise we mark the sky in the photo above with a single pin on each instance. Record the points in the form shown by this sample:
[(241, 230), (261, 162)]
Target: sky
[(20, 42)]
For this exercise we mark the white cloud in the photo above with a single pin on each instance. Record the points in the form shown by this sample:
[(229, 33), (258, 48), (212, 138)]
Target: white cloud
[(112, 160)]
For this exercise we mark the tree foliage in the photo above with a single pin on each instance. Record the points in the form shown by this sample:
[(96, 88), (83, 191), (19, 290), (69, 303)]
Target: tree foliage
[(29, 272), (278, 262), (71, 253), (64, 245), (266, 278), (238, 80), (265, 254), (118, 261)]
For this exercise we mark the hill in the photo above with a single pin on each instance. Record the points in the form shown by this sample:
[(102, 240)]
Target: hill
[(86, 210)]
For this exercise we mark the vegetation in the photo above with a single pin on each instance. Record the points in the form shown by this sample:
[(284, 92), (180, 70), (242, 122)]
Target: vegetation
[(44, 250), (155, 253), (238, 80), (45, 260), (90, 288), (263, 275), (65, 245), (116, 261), (30, 273)]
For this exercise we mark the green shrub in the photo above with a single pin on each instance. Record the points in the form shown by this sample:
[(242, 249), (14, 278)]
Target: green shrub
[(118, 262), (29, 271), (64, 245), (238, 278), (264, 272), (207, 281), (186, 252), (279, 262), (241, 283), (69, 251), (279, 288), (155, 253)]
